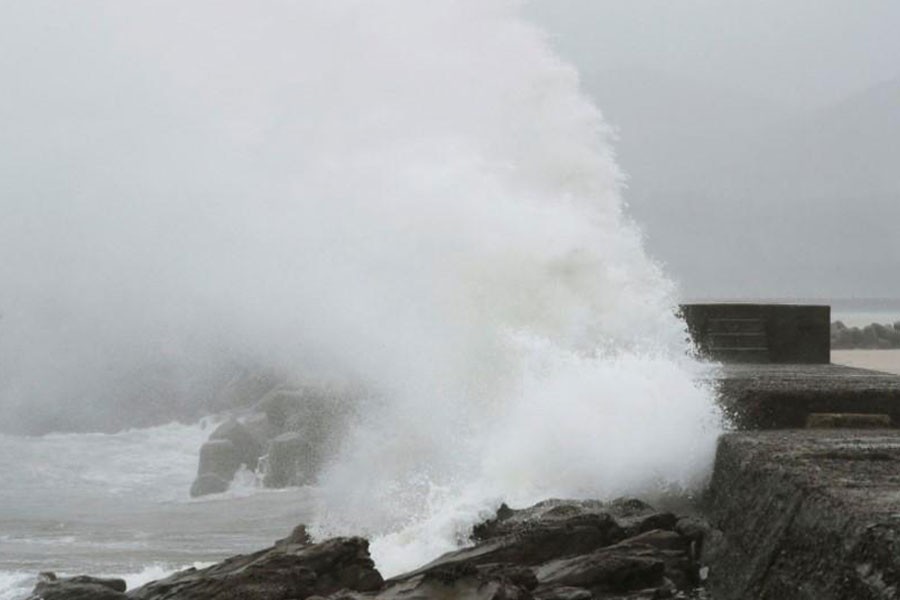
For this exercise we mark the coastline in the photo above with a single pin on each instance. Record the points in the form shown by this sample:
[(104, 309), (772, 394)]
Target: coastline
[(887, 361)]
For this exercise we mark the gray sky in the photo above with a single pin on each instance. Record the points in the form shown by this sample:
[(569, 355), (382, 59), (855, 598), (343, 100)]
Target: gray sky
[(761, 138), (803, 52)]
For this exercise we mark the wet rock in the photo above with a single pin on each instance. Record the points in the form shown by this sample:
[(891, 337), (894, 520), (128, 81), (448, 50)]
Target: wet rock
[(281, 407), (285, 571), (555, 550), (563, 592), (604, 570), (463, 581), (299, 537), (258, 426), (641, 523), (704, 542), (209, 484), (629, 507), (546, 513), (247, 446), (536, 541), (82, 587), (219, 461), (219, 457), (288, 461)]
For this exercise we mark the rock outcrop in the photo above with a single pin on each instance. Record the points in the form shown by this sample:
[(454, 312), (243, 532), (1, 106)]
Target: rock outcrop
[(284, 436), (555, 550)]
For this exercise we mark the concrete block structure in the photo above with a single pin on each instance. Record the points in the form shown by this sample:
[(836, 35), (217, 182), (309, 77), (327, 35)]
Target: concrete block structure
[(761, 333)]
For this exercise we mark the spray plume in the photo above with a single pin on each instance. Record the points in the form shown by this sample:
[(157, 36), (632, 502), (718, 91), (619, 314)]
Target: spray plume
[(411, 195)]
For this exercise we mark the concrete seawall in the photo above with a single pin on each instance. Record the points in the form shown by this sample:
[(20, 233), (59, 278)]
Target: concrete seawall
[(806, 515)]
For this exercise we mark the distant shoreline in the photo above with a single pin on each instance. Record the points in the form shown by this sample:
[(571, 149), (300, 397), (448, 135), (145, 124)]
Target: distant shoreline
[(886, 361), (874, 336)]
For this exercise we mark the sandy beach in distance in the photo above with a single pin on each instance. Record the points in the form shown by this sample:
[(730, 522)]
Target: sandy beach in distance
[(878, 360)]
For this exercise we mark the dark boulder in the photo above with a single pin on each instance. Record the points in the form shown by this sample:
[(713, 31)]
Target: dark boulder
[(205, 485), (248, 447), (463, 581), (642, 523), (231, 446), (289, 461), (604, 570), (548, 512), (281, 408), (534, 542), (292, 569), (563, 592), (219, 460)]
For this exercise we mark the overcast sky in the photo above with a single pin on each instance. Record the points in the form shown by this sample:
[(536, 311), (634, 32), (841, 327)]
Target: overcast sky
[(761, 138), (803, 52)]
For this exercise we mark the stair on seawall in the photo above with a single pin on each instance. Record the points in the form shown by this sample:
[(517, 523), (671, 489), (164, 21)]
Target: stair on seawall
[(738, 339)]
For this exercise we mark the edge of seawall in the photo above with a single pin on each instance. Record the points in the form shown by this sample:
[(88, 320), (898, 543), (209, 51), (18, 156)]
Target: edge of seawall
[(809, 514)]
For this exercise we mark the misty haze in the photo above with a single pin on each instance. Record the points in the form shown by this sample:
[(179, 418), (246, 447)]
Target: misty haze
[(385, 268)]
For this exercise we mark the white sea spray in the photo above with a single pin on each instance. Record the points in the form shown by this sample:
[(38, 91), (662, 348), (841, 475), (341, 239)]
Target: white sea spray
[(414, 196)]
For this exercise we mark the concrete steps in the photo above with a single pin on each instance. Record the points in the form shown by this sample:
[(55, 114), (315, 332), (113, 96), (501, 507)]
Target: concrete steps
[(737, 339)]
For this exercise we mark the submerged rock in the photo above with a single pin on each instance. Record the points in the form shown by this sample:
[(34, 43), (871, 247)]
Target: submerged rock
[(82, 587)]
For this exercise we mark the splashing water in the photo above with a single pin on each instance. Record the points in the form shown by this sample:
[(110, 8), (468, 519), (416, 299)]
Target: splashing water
[(414, 195)]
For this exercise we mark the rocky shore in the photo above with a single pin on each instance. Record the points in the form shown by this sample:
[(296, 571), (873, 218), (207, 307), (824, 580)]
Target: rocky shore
[(874, 336), (554, 550)]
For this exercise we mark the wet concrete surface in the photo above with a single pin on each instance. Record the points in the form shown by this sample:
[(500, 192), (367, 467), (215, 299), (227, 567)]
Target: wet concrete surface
[(811, 514), (782, 396)]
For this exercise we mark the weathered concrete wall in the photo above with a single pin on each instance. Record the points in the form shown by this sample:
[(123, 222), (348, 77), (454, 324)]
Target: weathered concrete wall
[(761, 333), (783, 396), (806, 516)]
